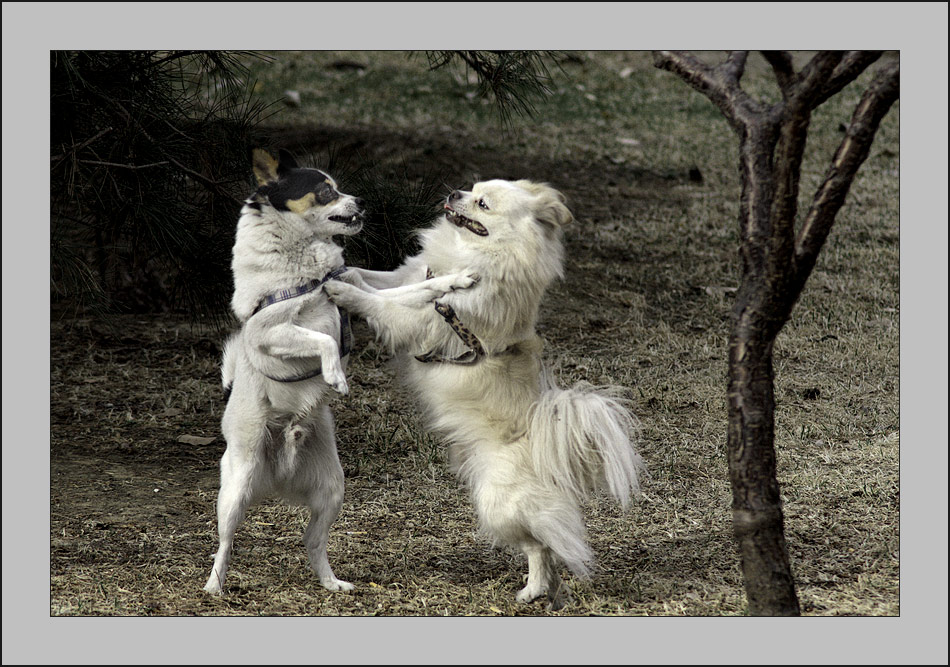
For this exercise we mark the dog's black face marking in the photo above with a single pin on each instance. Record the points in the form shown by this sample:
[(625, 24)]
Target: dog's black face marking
[(295, 185)]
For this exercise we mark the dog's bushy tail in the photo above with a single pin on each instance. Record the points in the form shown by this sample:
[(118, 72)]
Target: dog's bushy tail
[(582, 439)]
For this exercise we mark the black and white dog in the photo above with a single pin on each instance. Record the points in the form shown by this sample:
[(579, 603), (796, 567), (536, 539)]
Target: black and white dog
[(289, 357)]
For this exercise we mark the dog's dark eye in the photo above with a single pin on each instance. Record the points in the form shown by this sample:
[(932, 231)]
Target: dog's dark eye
[(482, 204), (326, 194)]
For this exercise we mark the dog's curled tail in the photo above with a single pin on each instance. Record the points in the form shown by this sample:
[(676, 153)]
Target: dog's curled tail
[(582, 439)]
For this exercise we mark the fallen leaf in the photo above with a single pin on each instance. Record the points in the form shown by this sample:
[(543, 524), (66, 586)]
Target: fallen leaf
[(716, 290), (195, 440), (292, 98)]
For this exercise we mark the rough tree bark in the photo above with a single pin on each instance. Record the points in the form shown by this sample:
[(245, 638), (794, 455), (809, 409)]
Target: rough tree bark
[(776, 261)]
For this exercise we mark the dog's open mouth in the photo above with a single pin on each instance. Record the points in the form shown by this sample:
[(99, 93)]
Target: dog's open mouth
[(348, 219), (461, 221)]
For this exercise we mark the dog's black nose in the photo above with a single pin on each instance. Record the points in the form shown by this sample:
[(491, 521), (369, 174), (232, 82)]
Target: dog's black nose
[(456, 194), (359, 202)]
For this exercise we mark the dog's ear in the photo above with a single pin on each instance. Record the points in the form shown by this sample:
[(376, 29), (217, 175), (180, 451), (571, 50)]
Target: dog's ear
[(265, 166), (286, 162), (555, 213), (552, 208)]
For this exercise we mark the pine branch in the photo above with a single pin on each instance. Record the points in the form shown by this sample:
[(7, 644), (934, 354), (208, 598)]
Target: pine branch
[(75, 148), (513, 78)]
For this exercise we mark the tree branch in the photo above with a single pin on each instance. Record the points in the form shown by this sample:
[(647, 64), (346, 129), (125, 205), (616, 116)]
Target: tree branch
[(174, 55), (781, 62), (211, 185), (734, 67), (695, 72), (125, 166), (720, 84), (875, 103), (850, 67), (75, 148), (793, 117), (813, 77), (787, 162)]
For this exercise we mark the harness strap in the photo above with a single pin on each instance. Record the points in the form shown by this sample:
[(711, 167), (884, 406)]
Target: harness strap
[(306, 288), (284, 295), (475, 350)]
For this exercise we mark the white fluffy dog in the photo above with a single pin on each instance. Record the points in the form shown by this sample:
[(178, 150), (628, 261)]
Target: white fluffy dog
[(289, 355), (528, 452)]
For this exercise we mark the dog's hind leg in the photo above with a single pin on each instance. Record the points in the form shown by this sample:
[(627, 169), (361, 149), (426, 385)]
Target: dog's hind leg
[(543, 578), (325, 500), (237, 480)]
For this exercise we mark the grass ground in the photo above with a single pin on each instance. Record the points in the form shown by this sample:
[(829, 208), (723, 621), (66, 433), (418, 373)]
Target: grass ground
[(650, 170)]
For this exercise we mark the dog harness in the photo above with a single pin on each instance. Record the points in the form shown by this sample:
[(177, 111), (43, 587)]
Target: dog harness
[(306, 288), (475, 350), (315, 284)]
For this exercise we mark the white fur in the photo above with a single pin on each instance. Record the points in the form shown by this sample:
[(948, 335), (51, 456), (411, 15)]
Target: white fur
[(528, 451), (280, 436)]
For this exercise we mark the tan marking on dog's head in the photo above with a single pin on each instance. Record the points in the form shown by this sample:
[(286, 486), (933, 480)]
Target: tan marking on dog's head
[(265, 166), (302, 205)]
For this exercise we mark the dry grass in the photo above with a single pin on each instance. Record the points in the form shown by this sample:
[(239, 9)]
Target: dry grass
[(132, 509)]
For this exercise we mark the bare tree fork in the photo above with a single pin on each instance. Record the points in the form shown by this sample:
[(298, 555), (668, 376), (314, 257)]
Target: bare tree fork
[(776, 262)]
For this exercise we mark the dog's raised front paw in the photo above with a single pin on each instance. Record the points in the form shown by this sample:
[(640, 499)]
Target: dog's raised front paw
[(353, 277), (457, 281), (339, 292), (436, 288), (334, 376)]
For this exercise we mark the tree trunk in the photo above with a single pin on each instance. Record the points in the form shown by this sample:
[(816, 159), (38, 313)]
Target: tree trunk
[(758, 522), (758, 316), (776, 262)]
